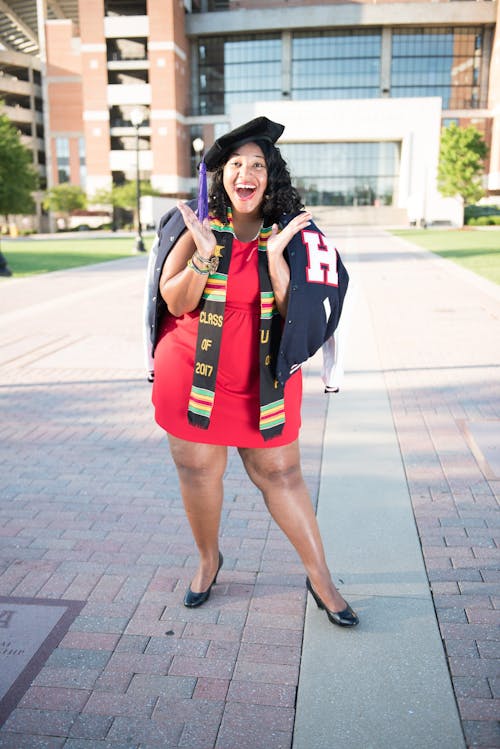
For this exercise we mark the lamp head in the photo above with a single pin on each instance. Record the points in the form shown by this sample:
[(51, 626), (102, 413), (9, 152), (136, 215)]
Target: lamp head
[(198, 145), (137, 117)]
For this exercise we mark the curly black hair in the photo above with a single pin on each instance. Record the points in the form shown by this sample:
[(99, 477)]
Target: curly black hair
[(280, 196)]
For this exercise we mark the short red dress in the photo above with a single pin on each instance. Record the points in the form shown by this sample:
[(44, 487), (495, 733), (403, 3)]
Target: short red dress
[(235, 414)]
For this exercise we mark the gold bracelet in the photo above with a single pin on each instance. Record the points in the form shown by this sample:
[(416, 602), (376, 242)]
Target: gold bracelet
[(190, 264)]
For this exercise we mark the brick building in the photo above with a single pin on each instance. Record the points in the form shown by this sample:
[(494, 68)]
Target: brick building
[(363, 89)]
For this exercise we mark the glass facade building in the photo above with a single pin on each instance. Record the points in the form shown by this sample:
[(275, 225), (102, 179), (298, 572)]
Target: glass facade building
[(439, 62), (343, 64), (232, 71), (344, 174), (336, 64)]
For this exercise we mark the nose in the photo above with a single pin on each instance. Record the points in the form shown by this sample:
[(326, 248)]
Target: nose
[(244, 169)]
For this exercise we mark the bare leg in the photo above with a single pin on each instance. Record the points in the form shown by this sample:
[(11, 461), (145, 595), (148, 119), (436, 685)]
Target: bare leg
[(201, 469), (277, 473)]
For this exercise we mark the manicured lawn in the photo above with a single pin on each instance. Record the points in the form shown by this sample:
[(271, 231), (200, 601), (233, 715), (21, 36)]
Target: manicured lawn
[(29, 256), (475, 249)]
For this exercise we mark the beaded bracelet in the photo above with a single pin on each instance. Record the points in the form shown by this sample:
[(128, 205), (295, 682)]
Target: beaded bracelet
[(212, 263), (190, 264)]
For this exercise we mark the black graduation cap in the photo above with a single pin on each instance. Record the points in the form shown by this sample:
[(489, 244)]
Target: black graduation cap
[(261, 128)]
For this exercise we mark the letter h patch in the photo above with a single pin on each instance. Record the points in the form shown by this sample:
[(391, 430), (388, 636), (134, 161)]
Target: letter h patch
[(322, 259)]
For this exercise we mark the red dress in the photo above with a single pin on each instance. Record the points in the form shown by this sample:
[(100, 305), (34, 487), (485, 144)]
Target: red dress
[(235, 415)]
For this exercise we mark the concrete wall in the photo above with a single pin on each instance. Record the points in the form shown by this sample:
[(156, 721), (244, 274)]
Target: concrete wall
[(414, 123), (342, 14)]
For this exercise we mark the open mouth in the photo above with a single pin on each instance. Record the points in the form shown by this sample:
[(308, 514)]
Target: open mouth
[(244, 192)]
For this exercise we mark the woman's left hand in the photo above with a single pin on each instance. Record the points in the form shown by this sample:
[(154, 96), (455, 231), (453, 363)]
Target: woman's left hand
[(280, 239)]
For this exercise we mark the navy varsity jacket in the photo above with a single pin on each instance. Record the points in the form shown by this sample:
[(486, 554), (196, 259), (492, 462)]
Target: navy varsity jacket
[(318, 285)]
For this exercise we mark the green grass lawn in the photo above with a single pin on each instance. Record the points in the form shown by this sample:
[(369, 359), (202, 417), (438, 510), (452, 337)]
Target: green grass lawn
[(26, 257), (475, 249)]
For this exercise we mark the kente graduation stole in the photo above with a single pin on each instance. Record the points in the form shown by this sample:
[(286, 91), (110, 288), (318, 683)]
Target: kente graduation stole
[(211, 321)]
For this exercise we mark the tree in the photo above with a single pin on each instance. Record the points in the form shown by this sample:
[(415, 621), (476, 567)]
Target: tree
[(65, 198), (18, 178), (123, 196), (461, 163)]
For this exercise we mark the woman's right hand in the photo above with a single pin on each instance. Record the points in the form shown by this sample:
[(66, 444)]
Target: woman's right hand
[(180, 286), (202, 234)]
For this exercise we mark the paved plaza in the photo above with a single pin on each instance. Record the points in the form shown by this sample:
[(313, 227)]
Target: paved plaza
[(404, 469)]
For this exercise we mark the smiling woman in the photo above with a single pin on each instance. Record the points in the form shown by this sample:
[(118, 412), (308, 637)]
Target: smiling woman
[(229, 334)]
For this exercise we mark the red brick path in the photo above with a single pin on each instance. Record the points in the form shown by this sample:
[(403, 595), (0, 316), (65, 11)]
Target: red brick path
[(90, 510)]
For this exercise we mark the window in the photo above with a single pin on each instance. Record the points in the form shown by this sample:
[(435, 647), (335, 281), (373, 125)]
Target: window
[(126, 49), (125, 7), (62, 156), (342, 64), (439, 62), (83, 162), (128, 77), (237, 70), (344, 174), (336, 64)]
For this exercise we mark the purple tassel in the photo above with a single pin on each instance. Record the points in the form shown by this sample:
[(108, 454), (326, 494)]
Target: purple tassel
[(202, 193)]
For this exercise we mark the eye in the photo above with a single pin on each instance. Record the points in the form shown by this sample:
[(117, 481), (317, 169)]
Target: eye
[(259, 165)]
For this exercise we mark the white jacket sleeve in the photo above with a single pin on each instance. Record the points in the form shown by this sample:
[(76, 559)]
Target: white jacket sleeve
[(148, 309), (334, 349)]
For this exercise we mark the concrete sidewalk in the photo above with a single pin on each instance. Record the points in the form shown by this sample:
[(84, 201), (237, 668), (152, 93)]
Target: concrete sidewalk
[(417, 429), (89, 510)]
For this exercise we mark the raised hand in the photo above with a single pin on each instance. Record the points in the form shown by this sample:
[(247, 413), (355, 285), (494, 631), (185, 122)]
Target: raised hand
[(202, 234), (278, 240)]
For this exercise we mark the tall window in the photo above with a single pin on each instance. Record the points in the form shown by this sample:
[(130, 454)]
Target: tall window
[(342, 64), (237, 70), (83, 162), (439, 62), (336, 64), (344, 174), (62, 156)]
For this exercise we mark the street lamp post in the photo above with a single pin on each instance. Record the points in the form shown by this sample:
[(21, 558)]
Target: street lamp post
[(198, 146), (137, 118)]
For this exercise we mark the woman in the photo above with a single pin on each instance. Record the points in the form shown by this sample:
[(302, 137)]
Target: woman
[(237, 307)]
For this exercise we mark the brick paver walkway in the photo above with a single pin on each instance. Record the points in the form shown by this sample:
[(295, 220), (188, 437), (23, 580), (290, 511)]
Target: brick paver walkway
[(90, 510)]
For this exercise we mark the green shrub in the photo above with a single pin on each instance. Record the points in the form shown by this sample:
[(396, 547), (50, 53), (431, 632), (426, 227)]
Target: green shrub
[(484, 221), (473, 212)]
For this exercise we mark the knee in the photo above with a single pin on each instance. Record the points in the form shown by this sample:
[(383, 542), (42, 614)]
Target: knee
[(280, 474), (198, 464), (198, 470)]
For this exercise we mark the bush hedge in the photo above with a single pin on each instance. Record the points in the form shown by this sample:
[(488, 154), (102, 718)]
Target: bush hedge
[(484, 221), (473, 213)]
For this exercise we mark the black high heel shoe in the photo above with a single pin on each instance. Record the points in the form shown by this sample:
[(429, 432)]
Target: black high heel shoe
[(345, 618), (191, 600)]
